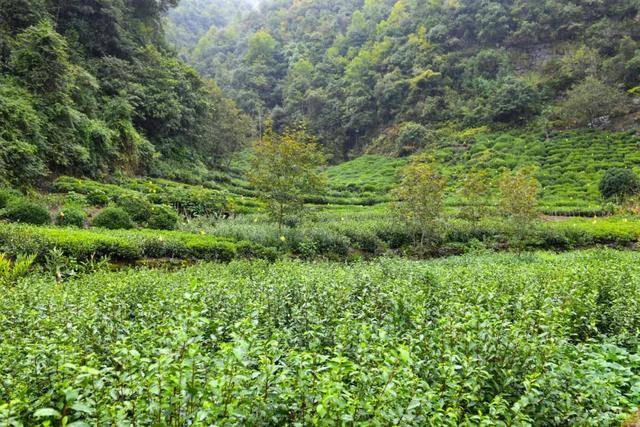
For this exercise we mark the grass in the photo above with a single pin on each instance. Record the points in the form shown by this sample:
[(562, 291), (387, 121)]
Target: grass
[(538, 339)]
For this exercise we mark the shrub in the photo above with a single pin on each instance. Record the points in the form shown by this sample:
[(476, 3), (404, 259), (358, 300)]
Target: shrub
[(71, 217), (26, 212), (113, 218), (162, 217), (619, 183), (138, 208), (7, 195), (251, 250), (11, 271), (97, 198)]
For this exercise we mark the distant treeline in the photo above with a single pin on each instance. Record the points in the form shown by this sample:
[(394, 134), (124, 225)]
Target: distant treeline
[(357, 70)]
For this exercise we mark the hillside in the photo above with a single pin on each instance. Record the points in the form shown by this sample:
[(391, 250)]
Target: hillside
[(353, 71), (188, 22), (91, 89), (569, 165), (343, 212)]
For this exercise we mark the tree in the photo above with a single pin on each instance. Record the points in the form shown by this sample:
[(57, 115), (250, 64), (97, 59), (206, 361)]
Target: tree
[(513, 101), (519, 195), (284, 168), (618, 184), (420, 198), (519, 202), (592, 100), (41, 61), (475, 192), (21, 137)]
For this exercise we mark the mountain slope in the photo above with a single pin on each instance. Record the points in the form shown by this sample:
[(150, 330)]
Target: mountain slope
[(352, 70), (89, 88)]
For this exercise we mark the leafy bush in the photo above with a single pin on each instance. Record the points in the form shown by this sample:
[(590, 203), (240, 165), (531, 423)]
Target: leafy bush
[(26, 212), (619, 183), (374, 343), (97, 198), (11, 271), (124, 245), (113, 218), (138, 207), (7, 195), (71, 217), (162, 217)]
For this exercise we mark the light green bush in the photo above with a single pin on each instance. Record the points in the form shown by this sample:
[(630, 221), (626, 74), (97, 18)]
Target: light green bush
[(113, 218)]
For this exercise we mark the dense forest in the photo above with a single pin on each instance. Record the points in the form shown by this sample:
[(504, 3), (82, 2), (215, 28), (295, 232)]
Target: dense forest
[(190, 20), (91, 88), (396, 71)]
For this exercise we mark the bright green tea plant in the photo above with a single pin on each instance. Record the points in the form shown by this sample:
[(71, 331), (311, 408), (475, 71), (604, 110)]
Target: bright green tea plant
[(542, 339)]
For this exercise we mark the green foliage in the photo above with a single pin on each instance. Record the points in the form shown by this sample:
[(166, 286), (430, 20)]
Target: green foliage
[(162, 217), (138, 208), (191, 19), (355, 71), (71, 217), (369, 173), (519, 196), (285, 168), (479, 340), (11, 271), (97, 197), (24, 211), (113, 218), (420, 198), (7, 195), (475, 195), (40, 60), (190, 200), (124, 245), (592, 101), (21, 136), (513, 101), (619, 183), (402, 140), (91, 90)]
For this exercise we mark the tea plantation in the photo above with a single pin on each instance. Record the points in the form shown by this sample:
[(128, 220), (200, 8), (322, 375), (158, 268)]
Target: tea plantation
[(145, 301), (494, 339)]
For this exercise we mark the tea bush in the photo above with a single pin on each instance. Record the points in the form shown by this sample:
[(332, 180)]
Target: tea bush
[(26, 212), (137, 207), (162, 217), (124, 245), (71, 217), (539, 339), (113, 218)]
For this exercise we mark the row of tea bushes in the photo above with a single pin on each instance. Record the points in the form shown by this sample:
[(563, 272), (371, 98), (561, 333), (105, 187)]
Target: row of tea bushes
[(189, 200), (341, 237), (541, 339), (129, 211), (125, 245)]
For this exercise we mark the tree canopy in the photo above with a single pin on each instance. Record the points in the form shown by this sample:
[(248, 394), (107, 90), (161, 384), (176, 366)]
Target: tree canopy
[(351, 70), (91, 88)]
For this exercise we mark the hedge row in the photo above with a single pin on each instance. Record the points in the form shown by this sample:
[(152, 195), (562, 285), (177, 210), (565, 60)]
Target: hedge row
[(125, 245)]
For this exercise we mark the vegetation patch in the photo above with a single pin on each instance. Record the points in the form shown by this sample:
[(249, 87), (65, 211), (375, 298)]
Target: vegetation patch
[(479, 339)]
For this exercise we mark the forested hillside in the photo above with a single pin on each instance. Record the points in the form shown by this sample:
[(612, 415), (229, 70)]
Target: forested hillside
[(190, 20), (354, 71), (90, 88)]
